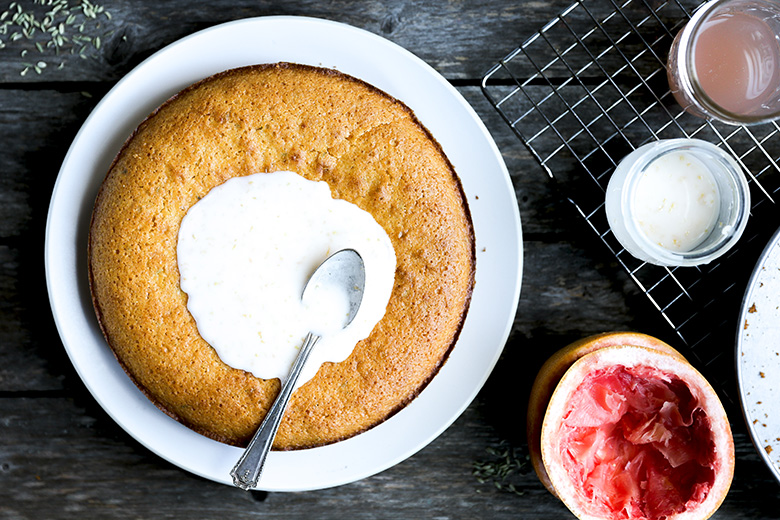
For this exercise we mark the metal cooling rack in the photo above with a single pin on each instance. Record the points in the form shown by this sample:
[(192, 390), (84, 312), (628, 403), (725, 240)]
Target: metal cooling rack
[(590, 87)]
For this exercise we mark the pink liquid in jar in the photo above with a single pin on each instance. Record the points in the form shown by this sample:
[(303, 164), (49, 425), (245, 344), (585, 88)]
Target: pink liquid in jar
[(737, 62)]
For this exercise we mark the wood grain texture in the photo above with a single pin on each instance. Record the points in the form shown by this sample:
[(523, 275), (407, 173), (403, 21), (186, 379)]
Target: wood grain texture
[(64, 458), (61, 456), (457, 37)]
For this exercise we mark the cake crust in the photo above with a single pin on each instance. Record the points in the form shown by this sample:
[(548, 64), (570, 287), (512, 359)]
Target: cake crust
[(326, 126)]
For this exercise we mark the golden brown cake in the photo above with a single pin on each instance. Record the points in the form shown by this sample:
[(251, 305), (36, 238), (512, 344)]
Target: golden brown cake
[(324, 125)]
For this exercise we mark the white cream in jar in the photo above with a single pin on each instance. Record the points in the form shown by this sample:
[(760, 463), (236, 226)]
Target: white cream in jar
[(245, 252), (676, 201)]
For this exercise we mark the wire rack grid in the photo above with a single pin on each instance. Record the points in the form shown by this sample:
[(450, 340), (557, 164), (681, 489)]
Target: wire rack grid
[(590, 87)]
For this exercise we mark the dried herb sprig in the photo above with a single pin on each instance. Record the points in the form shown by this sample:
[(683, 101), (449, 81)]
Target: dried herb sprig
[(505, 463), (58, 26)]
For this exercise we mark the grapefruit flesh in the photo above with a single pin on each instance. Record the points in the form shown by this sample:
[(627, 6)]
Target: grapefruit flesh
[(637, 443), (552, 372), (631, 433)]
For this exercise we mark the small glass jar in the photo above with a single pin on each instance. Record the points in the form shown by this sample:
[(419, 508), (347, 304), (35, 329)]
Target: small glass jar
[(678, 202), (725, 63)]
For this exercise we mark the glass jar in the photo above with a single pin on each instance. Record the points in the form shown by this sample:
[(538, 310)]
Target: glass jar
[(725, 63), (678, 202)]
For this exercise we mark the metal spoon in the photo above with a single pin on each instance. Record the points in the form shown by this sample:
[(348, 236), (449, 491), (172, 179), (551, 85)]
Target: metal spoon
[(344, 271)]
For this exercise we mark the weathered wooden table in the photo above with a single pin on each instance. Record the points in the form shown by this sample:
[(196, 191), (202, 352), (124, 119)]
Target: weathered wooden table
[(61, 456)]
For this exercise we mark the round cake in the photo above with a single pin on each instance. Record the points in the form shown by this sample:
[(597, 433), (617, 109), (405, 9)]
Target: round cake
[(324, 125)]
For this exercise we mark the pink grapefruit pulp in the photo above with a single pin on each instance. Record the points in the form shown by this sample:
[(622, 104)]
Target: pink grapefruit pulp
[(631, 432)]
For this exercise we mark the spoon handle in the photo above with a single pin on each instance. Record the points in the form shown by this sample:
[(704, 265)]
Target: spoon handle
[(247, 470)]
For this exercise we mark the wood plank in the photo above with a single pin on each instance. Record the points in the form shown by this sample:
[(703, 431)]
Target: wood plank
[(31, 354), (36, 129), (459, 39), (64, 459)]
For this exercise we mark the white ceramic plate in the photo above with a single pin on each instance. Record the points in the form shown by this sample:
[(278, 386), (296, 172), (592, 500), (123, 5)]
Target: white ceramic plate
[(379, 62), (758, 355)]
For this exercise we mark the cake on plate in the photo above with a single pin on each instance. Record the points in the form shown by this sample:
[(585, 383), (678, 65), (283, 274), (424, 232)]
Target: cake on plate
[(323, 125)]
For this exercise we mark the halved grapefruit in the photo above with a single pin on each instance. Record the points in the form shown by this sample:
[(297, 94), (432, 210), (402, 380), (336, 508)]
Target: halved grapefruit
[(631, 431)]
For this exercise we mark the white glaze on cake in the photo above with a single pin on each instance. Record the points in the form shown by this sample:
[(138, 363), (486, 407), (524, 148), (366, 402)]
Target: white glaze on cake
[(245, 252)]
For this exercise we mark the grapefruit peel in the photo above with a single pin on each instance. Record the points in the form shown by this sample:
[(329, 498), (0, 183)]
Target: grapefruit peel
[(632, 431)]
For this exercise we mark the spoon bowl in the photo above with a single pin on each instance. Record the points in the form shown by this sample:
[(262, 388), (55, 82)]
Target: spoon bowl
[(333, 293)]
